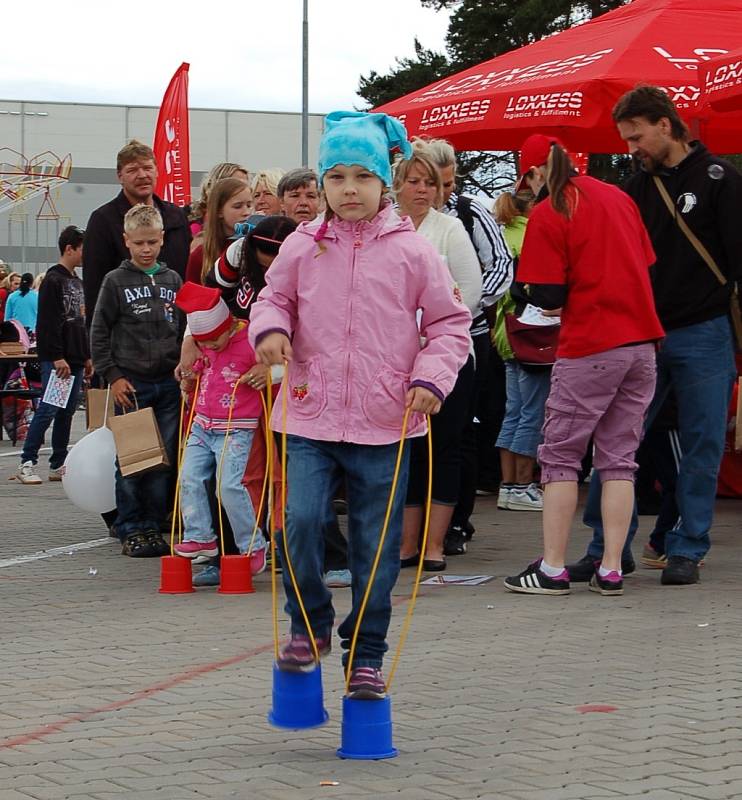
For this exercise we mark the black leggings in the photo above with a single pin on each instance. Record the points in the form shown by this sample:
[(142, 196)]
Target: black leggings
[(448, 428)]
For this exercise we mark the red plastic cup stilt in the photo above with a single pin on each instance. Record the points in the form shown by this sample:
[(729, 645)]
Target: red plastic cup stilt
[(235, 576), (175, 575)]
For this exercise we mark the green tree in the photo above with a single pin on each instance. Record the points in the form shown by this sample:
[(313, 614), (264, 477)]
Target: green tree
[(480, 30)]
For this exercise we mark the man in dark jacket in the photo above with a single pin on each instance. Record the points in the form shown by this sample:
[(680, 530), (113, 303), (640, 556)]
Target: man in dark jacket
[(135, 338), (696, 359), (63, 349), (104, 235)]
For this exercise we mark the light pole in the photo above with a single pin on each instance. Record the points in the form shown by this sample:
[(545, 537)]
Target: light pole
[(305, 88)]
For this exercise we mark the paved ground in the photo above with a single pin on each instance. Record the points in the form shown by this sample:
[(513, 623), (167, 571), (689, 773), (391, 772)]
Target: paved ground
[(110, 690)]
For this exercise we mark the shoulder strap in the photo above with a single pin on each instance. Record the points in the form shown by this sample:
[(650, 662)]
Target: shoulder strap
[(692, 238), (463, 209)]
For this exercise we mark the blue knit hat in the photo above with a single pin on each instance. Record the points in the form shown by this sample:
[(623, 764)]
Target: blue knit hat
[(356, 137)]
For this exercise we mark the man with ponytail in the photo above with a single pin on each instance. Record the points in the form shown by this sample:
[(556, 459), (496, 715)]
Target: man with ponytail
[(586, 244), (684, 193)]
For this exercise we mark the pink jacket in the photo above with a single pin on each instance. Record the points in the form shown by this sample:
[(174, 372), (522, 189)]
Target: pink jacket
[(217, 383), (349, 304)]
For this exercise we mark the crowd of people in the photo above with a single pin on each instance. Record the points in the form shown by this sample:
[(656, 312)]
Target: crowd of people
[(533, 341)]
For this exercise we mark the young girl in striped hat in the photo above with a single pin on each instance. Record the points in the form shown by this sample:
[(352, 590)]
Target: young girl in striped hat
[(227, 358)]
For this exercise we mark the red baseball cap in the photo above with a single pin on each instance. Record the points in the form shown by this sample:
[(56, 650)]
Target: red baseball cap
[(534, 152)]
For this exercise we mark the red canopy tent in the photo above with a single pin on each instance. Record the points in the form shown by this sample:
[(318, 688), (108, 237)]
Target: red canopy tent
[(721, 83), (567, 84)]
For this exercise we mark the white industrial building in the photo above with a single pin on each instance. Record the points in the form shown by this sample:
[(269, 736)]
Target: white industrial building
[(92, 134)]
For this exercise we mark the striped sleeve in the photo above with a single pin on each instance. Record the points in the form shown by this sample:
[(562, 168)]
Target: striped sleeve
[(497, 264), (226, 267)]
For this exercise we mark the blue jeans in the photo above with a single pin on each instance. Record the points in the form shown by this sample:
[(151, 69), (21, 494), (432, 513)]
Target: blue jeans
[(697, 362), (525, 408), (46, 414), (202, 456), (315, 470), (142, 500)]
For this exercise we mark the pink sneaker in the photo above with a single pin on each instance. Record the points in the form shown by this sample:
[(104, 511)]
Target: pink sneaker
[(257, 561), (191, 549)]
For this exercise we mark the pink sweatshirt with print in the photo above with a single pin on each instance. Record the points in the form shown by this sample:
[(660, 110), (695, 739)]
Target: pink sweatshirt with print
[(218, 379), (349, 304)]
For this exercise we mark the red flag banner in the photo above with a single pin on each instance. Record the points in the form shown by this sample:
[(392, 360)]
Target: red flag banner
[(172, 148)]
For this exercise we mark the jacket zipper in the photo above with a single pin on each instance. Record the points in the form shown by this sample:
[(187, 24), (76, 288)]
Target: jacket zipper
[(356, 245)]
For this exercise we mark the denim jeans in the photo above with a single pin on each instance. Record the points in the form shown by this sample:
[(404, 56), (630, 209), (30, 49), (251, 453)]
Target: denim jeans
[(142, 500), (697, 362), (201, 462), (315, 470), (525, 408), (46, 414)]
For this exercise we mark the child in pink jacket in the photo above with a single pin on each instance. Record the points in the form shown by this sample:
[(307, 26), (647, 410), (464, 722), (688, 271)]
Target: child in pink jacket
[(228, 358), (340, 306)]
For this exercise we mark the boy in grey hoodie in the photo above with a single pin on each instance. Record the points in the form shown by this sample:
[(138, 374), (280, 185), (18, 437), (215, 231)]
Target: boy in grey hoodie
[(135, 342)]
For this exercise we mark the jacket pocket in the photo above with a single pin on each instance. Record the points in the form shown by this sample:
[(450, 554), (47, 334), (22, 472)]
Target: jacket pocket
[(307, 396), (384, 401)]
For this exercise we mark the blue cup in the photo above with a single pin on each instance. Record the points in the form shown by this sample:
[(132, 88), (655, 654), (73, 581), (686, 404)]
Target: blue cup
[(367, 730), (297, 699)]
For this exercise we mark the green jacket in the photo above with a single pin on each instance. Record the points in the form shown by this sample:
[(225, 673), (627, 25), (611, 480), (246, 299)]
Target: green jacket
[(513, 234)]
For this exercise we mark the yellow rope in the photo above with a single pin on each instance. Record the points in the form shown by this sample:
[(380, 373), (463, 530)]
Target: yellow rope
[(305, 616), (426, 527), (377, 557), (181, 458), (221, 464), (267, 409)]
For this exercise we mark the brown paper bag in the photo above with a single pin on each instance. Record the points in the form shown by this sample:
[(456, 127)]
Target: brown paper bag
[(139, 445), (96, 401)]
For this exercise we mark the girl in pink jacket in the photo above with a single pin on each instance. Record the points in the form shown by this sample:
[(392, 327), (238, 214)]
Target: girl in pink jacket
[(340, 307), (227, 359)]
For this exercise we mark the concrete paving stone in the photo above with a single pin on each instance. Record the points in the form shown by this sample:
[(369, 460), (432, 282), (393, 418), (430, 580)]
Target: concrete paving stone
[(473, 716)]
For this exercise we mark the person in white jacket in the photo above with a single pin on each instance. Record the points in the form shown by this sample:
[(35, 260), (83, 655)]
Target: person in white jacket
[(418, 190)]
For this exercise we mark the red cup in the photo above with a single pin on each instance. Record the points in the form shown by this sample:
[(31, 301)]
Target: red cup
[(234, 575), (175, 575)]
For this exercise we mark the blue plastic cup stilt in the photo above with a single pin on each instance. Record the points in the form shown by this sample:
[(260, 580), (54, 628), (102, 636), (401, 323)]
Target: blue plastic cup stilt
[(297, 699), (367, 730)]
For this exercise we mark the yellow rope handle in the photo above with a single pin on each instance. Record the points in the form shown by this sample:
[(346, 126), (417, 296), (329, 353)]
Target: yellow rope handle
[(377, 557), (289, 566), (221, 464), (181, 458), (267, 409), (426, 527)]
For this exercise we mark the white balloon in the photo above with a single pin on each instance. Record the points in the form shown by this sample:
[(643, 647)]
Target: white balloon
[(89, 478)]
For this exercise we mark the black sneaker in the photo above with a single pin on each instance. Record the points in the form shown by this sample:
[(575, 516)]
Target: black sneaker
[(608, 585), (454, 544), (469, 530), (533, 581), (680, 571), (584, 569)]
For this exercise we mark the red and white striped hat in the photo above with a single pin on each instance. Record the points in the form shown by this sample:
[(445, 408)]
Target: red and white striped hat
[(208, 315)]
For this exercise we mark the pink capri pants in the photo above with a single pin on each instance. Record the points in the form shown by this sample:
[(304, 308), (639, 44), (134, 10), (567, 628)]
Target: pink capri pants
[(605, 396)]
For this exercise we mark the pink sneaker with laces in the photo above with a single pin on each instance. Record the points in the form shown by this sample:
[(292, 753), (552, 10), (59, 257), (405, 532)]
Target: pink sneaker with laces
[(258, 561), (297, 655), (191, 549), (366, 683)]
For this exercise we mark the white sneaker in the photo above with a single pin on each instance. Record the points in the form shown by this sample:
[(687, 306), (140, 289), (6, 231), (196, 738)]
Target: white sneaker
[(26, 474), (532, 499), (56, 474), (503, 496)]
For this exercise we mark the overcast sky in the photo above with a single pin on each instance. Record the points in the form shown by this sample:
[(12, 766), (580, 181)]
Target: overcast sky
[(243, 55)]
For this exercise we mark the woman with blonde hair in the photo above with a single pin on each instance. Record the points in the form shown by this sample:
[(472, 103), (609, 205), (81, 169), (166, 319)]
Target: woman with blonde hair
[(7, 286), (419, 191), (229, 203), (38, 280), (265, 191)]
